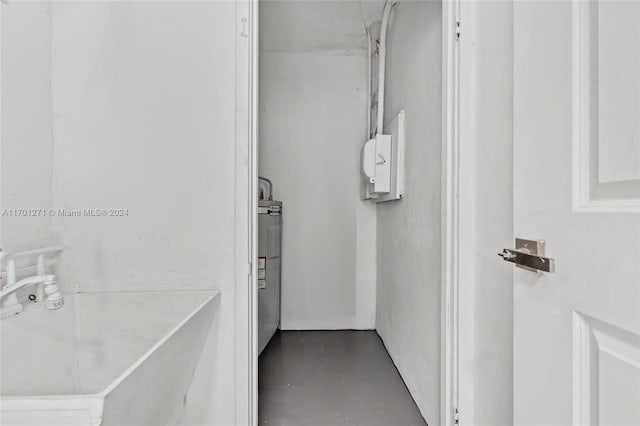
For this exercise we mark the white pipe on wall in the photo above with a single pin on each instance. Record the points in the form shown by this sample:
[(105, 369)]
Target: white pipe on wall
[(369, 79), (381, 68), (267, 182), (11, 280), (36, 252), (40, 270)]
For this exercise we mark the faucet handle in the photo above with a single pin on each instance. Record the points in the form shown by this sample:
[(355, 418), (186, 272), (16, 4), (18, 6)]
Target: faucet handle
[(49, 279), (54, 299)]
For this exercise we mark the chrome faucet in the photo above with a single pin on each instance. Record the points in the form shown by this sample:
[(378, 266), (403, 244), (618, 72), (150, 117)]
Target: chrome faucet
[(46, 286), (53, 299)]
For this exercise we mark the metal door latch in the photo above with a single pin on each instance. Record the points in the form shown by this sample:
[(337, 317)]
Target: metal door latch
[(529, 255)]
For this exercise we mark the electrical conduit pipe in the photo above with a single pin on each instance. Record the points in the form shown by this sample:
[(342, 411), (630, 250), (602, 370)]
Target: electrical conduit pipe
[(388, 5)]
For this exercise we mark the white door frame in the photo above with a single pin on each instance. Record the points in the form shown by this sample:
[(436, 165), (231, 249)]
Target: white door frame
[(482, 34), (246, 301), (450, 213), (246, 165)]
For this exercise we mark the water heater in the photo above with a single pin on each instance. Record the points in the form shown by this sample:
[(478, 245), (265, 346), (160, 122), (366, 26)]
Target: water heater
[(269, 269)]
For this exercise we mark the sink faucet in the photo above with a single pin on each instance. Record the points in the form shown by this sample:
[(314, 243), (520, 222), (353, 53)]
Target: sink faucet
[(46, 286), (53, 299)]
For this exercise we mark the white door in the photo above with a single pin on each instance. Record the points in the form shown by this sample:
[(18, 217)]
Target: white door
[(577, 186)]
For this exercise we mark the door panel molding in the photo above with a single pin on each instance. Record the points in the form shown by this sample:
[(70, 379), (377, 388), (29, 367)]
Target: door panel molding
[(602, 351), (595, 138)]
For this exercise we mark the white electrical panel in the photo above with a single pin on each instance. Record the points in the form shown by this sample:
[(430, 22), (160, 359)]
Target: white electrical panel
[(368, 169), (382, 184), (383, 164)]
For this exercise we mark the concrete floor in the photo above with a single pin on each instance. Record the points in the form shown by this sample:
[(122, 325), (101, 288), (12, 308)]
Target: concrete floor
[(331, 378)]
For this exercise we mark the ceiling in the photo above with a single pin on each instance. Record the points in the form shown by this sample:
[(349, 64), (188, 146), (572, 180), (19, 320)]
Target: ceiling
[(316, 25)]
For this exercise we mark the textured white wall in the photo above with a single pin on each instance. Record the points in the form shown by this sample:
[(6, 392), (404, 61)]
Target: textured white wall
[(314, 25), (312, 125), (408, 231), (25, 139), (144, 121), (144, 107)]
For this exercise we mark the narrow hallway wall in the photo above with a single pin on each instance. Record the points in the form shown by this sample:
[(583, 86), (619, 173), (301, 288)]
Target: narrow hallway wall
[(408, 231), (312, 124)]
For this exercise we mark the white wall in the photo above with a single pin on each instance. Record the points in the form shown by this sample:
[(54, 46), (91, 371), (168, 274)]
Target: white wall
[(315, 25), (312, 124), (486, 214), (408, 231), (25, 139), (144, 107)]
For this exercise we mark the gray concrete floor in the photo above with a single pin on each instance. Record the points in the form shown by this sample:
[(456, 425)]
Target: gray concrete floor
[(332, 378)]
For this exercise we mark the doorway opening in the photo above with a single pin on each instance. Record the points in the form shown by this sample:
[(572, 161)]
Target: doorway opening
[(348, 276)]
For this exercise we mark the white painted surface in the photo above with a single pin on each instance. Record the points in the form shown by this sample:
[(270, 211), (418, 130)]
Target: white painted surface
[(245, 286), (450, 260), (151, 111), (25, 138), (121, 371), (618, 60), (144, 100), (606, 175), (576, 331), (395, 160), (408, 232), (312, 124), (316, 25), (144, 122), (485, 302)]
